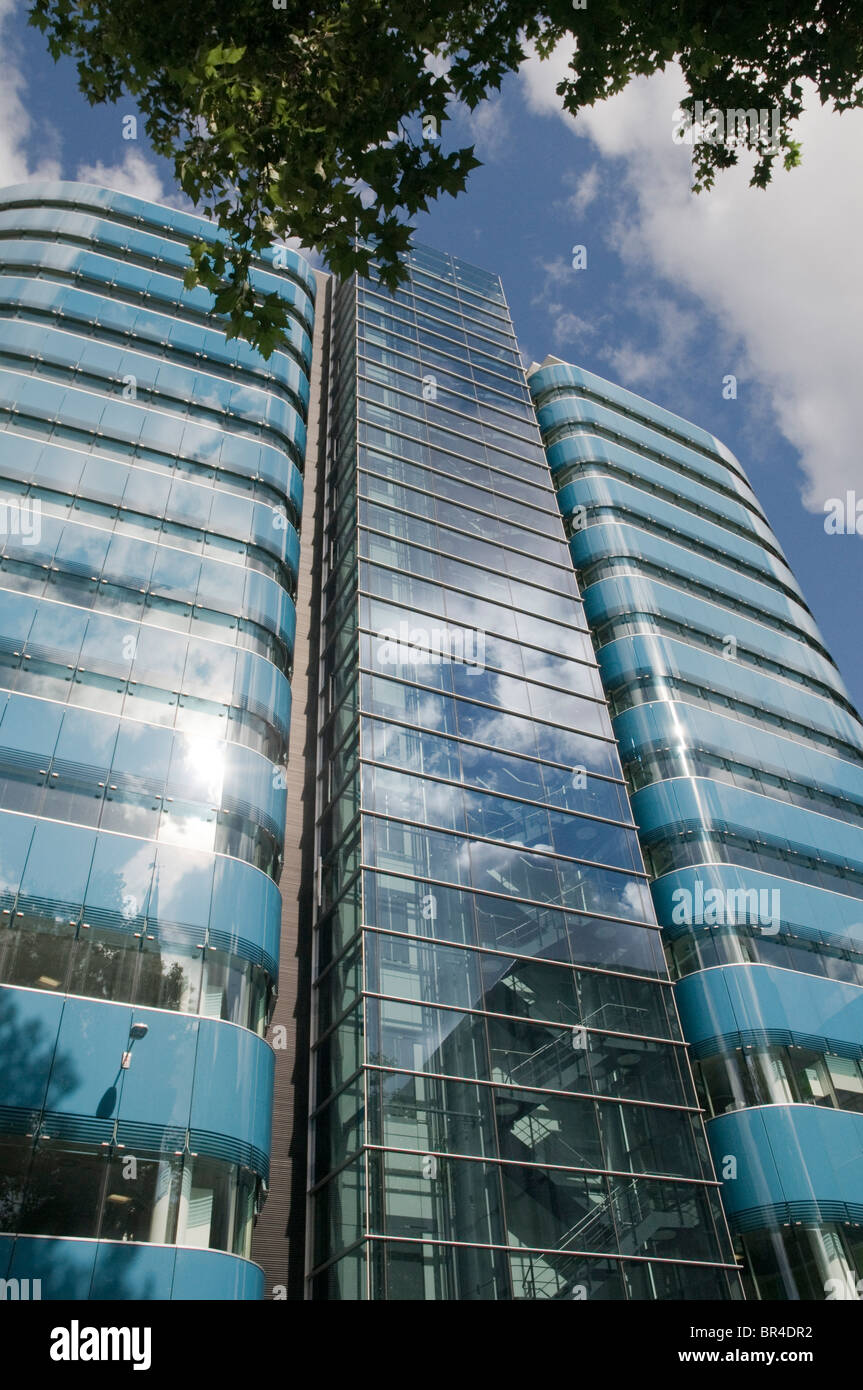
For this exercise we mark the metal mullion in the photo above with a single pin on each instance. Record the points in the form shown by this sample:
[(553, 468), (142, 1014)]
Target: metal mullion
[(409, 364), (546, 516), (482, 565), (624, 1173), (475, 743), (333, 1096), (326, 406), (369, 385), (367, 631), (422, 318), (366, 361), (590, 468), (582, 392), (502, 796), (549, 854), (541, 483), (574, 429), (444, 526), (393, 330), (528, 902), (538, 1090), (521, 1018), (453, 588), (604, 1255), (363, 468), (508, 955)]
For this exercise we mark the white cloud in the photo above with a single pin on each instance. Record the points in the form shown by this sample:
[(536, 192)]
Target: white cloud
[(16, 125), (568, 330), (675, 332), (633, 366), (556, 276), (585, 189), (567, 327), (488, 125), (135, 174), (780, 269), (138, 175)]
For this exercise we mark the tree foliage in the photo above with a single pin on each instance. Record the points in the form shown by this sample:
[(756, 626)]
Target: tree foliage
[(325, 122)]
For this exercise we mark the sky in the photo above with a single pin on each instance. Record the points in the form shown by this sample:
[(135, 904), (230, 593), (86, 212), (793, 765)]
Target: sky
[(679, 292)]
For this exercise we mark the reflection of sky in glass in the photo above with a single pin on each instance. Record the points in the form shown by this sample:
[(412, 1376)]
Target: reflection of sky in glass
[(198, 767), (182, 886), (503, 731), (15, 835), (181, 825)]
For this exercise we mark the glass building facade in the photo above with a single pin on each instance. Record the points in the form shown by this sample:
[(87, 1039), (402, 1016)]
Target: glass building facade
[(744, 758), (502, 1104), (150, 495), (500, 758)]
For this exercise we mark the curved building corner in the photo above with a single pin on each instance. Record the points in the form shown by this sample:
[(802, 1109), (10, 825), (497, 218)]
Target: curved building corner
[(151, 489), (744, 759)]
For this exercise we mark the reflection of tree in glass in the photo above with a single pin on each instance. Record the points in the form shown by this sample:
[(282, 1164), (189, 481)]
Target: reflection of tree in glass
[(173, 986), (102, 962), (382, 1059), (108, 959), (27, 1050), (38, 951), (119, 969)]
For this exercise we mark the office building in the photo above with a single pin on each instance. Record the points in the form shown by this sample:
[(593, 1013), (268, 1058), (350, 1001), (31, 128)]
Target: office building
[(150, 496), (481, 1086), (744, 758), (501, 1100)]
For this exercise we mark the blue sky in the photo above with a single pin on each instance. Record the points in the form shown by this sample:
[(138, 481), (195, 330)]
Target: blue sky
[(680, 290)]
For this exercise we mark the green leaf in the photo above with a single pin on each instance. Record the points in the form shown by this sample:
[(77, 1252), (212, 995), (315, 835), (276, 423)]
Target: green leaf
[(274, 120)]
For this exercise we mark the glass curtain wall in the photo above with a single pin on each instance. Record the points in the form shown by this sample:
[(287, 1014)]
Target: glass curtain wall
[(744, 757), (502, 1102), (150, 500)]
